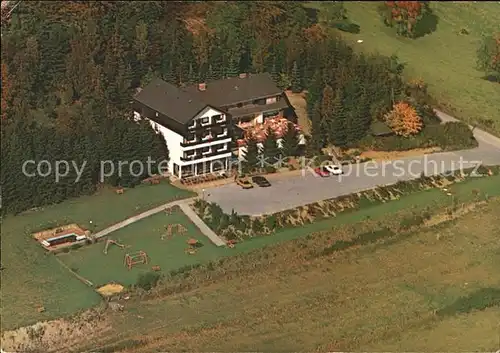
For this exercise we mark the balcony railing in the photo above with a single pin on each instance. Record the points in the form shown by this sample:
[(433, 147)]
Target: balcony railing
[(213, 122), (198, 141), (197, 156)]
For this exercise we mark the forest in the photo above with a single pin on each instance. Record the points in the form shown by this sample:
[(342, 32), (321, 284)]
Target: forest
[(69, 70)]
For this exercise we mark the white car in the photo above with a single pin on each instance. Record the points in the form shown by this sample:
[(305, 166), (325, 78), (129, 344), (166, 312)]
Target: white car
[(334, 169)]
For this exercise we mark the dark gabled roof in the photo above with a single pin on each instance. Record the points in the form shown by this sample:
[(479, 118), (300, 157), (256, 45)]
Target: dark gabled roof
[(170, 101), (235, 90)]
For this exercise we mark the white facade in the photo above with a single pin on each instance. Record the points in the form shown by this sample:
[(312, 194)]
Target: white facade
[(242, 149), (178, 153)]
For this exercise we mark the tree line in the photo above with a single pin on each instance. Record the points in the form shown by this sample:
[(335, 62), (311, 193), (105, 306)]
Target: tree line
[(69, 70)]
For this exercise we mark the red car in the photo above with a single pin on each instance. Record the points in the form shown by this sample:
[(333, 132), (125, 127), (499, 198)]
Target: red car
[(322, 172)]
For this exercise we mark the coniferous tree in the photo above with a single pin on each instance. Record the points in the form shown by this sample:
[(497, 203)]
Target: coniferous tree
[(210, 74), (338, 135), (251, 158), (170, 75), (192, 77), (290, 141), (327, 113), (296, 79), (315, 143), (271, 149), (274, 73), (232, 69)]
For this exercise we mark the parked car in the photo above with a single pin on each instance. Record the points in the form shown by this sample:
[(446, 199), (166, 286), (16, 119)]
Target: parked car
[(322, 172), (334, 169), (261, 181), (244, 182)]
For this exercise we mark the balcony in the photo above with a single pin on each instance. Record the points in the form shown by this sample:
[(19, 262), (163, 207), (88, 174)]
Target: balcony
[(200, 155), (199, 140), (216, 120)]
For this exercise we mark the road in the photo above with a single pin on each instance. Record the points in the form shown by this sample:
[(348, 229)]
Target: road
[(298, 190)]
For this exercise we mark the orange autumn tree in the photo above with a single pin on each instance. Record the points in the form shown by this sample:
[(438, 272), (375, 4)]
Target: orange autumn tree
[(403, 119), (404, 15)]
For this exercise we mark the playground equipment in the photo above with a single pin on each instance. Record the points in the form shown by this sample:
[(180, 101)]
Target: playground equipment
[(139, 257), (193, 245), (120, 191), (156, 268), (109, 242), (181, 230)]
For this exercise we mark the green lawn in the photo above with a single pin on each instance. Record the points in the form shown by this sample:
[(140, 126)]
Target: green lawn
[(169, 254), (33, 278), (445, 59)]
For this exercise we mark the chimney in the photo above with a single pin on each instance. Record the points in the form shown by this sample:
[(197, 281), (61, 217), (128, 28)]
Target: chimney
[(202, 86), (244, 75)]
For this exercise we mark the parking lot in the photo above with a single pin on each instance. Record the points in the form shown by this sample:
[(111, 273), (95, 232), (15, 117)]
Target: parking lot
[(298, 190)]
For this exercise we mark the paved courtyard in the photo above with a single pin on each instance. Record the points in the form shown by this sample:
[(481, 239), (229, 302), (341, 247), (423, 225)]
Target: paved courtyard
[(298, 190)]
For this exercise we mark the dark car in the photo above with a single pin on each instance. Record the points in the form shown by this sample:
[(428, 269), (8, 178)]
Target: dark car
[(261, 181)]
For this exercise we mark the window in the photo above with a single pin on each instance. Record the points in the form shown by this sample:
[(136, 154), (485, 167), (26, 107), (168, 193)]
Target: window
[(222, 147), (193, 125), (219, 118), (271, 100), (222, 133), (189, 154), (190, 138), (205, 150), (206, 135), (205, 121)]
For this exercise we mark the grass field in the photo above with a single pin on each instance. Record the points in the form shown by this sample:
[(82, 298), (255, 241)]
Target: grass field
[(169, 254), (415, 294), (32, 278), (445, 59)]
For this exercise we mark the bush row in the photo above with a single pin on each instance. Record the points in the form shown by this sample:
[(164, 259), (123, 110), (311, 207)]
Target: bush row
[(448, 137), (238, 227), (287, 256)]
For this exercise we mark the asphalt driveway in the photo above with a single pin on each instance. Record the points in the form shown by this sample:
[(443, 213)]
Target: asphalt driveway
[(298, 190)]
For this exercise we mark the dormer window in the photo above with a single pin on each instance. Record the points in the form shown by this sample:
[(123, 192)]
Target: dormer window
[(192, 125), (205, 121), (219, 118)]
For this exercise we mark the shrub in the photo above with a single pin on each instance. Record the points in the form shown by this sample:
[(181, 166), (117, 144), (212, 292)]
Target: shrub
[(452, 136), (147, 280), (270, 169), (412, 221), (404, 120), (347, 27), (479, 300)]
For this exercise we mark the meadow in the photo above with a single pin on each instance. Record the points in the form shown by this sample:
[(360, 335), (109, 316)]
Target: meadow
[(146, 235), (445, 59), (434, 289), (32, 278)]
